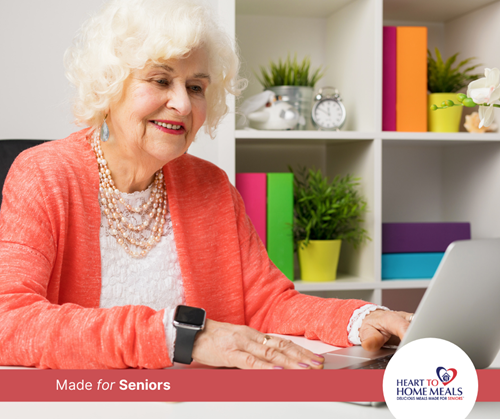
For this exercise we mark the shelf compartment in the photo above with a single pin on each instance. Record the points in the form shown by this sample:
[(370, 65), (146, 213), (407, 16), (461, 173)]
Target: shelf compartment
[(265, 34), (334, 158), (426, 183)]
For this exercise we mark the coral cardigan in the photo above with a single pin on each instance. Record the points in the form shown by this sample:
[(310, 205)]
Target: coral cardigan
[(50, 266)]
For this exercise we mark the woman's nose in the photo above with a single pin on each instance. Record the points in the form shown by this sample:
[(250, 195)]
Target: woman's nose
[(179, 100)]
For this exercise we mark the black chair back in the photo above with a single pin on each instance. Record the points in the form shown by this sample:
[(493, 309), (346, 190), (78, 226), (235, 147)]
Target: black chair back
[(9, 150)]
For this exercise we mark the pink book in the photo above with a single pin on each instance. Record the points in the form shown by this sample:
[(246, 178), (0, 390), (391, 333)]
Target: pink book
[(389, 79), (253, 189)]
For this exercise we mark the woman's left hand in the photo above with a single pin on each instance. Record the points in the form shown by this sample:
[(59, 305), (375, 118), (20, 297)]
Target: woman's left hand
[(382, 327)]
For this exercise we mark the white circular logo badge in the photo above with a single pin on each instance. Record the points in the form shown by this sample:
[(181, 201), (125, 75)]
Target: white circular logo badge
[(430, 378)]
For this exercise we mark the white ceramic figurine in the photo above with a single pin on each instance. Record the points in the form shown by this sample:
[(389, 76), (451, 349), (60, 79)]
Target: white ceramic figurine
[(264, 112)]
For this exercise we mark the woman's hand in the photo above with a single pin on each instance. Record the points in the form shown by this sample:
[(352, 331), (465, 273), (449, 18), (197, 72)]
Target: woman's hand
[(228, 345), (382, 327)]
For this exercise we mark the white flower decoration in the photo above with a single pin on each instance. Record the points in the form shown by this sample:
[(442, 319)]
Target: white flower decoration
[(486, 116), (486, 91)]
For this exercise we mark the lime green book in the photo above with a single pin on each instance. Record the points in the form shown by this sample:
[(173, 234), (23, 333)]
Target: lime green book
[(280, 220)]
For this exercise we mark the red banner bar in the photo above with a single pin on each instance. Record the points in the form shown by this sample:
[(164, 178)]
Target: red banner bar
[(205, 385), (488, 386)]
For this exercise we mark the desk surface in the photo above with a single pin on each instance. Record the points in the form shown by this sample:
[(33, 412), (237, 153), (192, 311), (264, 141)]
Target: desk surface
[(212, 410)]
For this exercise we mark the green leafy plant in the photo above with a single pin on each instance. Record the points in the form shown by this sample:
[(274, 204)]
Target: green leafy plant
[(289, 73), (441, 78), (326, 210)]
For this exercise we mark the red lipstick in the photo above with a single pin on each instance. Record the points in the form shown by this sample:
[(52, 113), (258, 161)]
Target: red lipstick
[(179, 131)]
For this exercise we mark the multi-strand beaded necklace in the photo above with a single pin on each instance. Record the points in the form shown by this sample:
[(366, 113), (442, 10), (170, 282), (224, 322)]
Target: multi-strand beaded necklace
[(152, 211)]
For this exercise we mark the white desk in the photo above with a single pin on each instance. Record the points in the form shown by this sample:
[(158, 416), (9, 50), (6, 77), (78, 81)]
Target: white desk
[(211, 411)]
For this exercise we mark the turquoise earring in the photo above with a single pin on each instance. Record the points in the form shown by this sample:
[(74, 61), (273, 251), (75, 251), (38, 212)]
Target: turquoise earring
[(104, 130)]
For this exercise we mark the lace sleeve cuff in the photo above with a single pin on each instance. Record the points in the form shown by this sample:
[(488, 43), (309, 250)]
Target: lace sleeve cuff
[(170, 331), (357, 319)]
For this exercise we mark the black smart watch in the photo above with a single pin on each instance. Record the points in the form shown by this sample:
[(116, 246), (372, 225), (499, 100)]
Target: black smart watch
[(188, 321)]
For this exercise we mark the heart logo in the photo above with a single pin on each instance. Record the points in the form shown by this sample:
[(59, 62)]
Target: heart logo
[(445, 375)]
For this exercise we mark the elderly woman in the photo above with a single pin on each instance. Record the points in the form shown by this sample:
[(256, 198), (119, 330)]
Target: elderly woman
[(113, 240)]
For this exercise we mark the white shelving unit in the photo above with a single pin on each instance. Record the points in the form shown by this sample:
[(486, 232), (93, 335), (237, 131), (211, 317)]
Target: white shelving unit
[(411, 177)]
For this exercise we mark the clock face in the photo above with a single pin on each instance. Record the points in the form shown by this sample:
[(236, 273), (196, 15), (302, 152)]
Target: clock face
[(329, 113)]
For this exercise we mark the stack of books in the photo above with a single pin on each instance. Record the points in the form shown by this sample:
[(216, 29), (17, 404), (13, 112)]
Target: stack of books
[(404, 94), (268, 199), (414, 250)]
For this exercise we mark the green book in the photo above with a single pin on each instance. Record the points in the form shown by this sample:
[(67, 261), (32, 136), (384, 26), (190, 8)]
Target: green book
[(280, 220)]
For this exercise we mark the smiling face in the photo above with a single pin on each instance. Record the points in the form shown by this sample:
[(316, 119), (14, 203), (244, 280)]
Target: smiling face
[(161, 109)]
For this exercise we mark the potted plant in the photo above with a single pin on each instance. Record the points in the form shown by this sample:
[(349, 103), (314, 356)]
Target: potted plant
[(292, 82), (325, 213), (443, 83), (484, 92)]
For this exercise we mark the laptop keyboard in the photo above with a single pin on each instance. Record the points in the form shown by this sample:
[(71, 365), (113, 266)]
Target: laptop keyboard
[(376, 364)]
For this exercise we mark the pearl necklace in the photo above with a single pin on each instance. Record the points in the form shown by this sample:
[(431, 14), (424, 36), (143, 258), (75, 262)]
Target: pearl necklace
[(119, 226)]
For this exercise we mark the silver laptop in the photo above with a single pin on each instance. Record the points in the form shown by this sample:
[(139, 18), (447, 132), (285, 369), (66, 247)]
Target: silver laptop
[(461, 305)]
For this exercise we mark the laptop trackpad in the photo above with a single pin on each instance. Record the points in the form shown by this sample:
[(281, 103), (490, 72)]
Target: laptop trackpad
[(359, 352), (346, 357)]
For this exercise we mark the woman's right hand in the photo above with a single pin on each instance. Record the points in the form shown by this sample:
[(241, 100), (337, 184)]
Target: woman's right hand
[(229, 345)]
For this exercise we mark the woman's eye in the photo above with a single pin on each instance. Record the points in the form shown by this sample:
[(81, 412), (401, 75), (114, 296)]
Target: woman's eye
[(196, 89), (163, 82)]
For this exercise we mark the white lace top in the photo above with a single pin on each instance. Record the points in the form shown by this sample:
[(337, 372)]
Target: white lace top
[(155, 280)]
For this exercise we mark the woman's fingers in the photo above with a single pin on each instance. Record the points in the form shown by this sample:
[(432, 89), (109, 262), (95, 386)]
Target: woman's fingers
[(381, 327), (373, 340), (245, 360), (300, 354), (407, 316), (224, 344), (284, 353)]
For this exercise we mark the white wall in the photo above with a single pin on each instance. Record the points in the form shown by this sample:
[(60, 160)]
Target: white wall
[(412, 182), (262, 39), (35, 96), (476, 35), (34, 93)]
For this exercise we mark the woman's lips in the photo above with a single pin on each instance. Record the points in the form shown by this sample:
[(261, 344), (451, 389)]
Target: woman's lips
[(179, 131)]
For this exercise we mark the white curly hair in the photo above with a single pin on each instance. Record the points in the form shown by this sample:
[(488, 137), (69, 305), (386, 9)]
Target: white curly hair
[(127, 34)]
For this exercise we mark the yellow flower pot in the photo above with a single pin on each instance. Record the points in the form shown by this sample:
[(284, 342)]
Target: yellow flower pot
[(443, 120), (319, 260)]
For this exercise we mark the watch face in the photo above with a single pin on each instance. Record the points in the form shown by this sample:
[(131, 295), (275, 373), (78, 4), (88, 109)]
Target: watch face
[(329, 113), (190, 315)]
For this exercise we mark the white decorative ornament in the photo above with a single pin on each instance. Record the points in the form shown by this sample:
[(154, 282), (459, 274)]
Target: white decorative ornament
[(264, 112)]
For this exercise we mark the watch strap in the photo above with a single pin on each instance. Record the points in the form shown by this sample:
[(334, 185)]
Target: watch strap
[(184, 343)]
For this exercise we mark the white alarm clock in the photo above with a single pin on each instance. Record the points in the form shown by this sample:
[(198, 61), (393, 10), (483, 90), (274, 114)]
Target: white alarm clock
[(328, 113)]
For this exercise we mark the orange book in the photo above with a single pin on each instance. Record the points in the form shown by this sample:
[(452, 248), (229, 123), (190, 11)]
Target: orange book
[(411, 84)]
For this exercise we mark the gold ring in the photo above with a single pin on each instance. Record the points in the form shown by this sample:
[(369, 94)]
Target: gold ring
[(266, 338)]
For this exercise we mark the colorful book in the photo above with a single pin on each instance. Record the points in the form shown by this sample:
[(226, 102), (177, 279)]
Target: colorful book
[(411, 85), (410, 265), (389, 79), (280, 221), (253, 189), (422, 237)]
